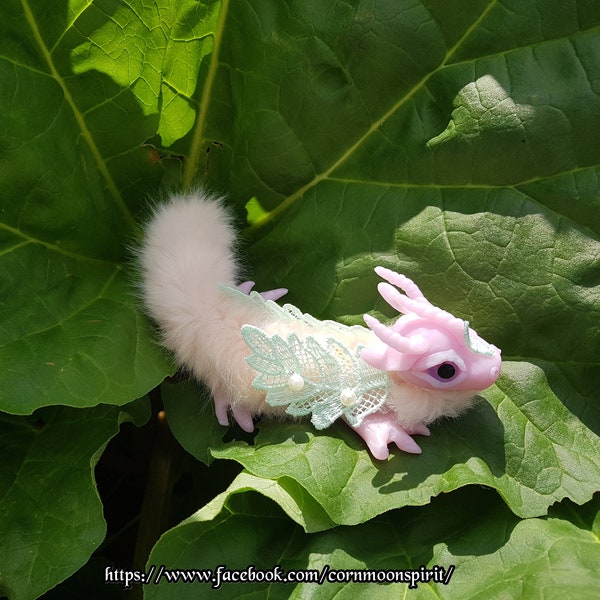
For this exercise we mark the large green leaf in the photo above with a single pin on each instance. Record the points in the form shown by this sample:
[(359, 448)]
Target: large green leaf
[(474, 170), (50, 513), (73, 170), (492, 556), (528, 447)]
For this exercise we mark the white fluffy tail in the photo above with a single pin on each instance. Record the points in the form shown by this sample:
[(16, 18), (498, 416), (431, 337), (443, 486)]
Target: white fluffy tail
[(187, 252)]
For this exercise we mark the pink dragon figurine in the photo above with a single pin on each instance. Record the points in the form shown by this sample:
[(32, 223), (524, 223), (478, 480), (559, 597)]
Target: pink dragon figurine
[(387, 382)]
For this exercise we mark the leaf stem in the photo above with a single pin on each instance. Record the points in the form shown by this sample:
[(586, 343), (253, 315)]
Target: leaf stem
[(157, 496), (193, 160)]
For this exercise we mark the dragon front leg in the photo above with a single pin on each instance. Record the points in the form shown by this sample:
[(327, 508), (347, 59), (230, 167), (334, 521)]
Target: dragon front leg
[(380, 429)]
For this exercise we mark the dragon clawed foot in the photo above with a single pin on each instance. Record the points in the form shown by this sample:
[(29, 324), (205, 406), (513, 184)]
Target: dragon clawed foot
[(223, 405), (380, 429)]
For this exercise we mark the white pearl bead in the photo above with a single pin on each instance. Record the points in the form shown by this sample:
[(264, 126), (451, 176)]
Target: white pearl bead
[(296, 382), (348, 397)]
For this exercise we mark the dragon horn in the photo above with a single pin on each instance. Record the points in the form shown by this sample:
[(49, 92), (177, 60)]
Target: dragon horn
[(408, 286), (420, 307), (403, 303), (414, 345)]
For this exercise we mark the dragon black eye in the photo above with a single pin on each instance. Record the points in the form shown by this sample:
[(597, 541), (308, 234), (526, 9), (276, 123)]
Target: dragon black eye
[(446, 371)]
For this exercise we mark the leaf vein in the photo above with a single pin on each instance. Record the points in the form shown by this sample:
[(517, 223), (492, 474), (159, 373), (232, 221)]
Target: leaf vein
[(52, 247), (101, 164), (293, 198)]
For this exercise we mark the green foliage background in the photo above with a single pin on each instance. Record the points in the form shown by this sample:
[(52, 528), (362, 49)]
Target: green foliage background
[(456, 142)]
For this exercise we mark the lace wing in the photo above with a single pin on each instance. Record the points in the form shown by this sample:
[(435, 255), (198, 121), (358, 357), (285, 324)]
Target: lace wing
[(326, 380)]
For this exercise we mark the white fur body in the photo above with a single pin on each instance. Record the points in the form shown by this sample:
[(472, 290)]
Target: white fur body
[(187, 252)]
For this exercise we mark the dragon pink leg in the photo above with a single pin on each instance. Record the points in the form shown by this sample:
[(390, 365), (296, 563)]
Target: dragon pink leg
[(380, 429), (222, 405), (221, 399)]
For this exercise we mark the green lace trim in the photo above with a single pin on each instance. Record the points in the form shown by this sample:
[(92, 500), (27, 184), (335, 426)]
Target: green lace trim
[(324, 379)]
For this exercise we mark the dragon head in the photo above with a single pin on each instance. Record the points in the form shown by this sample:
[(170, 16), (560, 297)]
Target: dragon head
[(428, 346)]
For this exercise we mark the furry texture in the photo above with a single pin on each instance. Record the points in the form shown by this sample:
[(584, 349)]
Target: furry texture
[(188, 252)]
